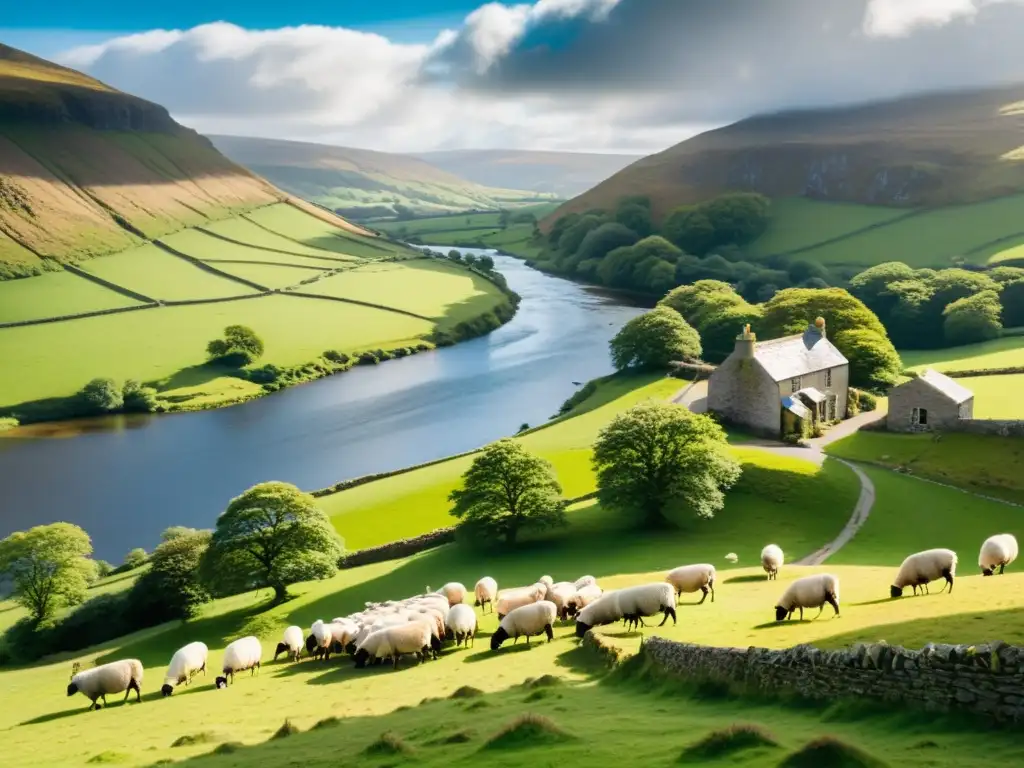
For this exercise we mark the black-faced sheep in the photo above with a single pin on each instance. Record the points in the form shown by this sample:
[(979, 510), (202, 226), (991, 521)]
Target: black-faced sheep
[(531, 619), (922, 567), (809, 592), (997, 551), (186, 662), (124, 675)]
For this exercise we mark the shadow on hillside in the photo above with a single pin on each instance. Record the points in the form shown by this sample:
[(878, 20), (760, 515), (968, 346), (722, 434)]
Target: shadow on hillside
[(970, 628), (193, 376), (82, 709), (749, 579)]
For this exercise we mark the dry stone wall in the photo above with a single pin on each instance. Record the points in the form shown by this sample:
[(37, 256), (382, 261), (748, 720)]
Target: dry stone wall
[(985, 679)]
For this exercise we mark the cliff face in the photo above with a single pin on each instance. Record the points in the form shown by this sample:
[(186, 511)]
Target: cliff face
[(932, 150)]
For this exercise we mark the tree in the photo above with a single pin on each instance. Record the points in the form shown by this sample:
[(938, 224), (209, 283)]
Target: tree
[(691, 230), (560, 226), (659, 461), (102, 396), (172, 585), (103, 569), (175, 531), (570, 240), (1004, 275), (973, 319), (240, 346), (272, 535), (874, 363), (1012, 299), (601, 241), (654, 276), (636, 218), (872, 286), (48, 567), (653, 340), (134, 559), (137, 398), (485, 262), (702, 299), (616, 269), (507, 490), (403, 212), (718, 330)]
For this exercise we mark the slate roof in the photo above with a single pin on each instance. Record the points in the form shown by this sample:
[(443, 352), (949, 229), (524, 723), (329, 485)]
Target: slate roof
[(793, 356), (793, 405), (812, 394), (946, 386)]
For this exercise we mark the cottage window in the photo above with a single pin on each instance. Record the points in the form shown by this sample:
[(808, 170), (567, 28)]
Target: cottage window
[(795, 384), (828, 379), (963, 410), (919, 416)]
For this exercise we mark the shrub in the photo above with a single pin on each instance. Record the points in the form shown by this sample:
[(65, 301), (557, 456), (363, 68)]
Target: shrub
[(137, 398), (655, 339), (868, 402), (134, 559), (101, 395), (265, 374), (578, 397), (239, 347), (7, 423)]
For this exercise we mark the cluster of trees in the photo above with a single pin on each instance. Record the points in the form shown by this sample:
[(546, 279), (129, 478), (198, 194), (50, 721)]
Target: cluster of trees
[(625, 248), (271, 536), (483, 262), (658, 463), (102, 395), (239, 347), (927, 308)]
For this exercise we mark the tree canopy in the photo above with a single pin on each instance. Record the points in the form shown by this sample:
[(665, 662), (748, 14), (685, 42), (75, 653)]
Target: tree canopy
[(172, 585), (507, 490), (48, 566), (734, 218), (1012, 299), (653, 340), (240, 346), (973, 318), (660, 462), (102, 395), (272, 535)]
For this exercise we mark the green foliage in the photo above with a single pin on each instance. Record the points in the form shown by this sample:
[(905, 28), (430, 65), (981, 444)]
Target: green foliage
[(103, 568), (137, 398), (701, 300), (507, 490), (239, 347), (659, 461), (272, 535), (872, 285), (570, 240), (718, 330), (1012, 299), (653, 340), (102, 396), (873, 361), (135, 559), (48, 567), (729, 219), (172, 582), (602, 240), (636, 218), (973, 319), (7, 423)]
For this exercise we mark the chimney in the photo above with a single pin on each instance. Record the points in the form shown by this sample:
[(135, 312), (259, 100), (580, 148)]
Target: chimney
[(815, 332), (745, 343)]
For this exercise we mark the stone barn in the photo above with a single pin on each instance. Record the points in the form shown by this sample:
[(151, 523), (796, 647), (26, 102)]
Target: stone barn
[(772, 386), (929, 402)]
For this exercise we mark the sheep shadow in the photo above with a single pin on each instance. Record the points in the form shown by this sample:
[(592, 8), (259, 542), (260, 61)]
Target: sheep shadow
[(790, 622), (748, 579), (882, 600), (487, 655), (84, 710)]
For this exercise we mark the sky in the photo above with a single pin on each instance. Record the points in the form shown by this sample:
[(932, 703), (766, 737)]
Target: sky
[(631, 76)]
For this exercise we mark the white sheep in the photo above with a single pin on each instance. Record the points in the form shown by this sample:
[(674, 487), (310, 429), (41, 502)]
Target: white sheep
[(585, 581), (342, 634), (437, 629), (922, 567), (291, 643), (239, 656), (772, 560), (693, 578), (809, 592), (462, 624), (124, 675), (392, 642), (604, 610), (999, 550), (186, 662), (454, 591), (560, 594), (647, 600), (546, 580), (583, 597), (318, 644), (485, 591), (526, 620), (732, 557), (515, 597)]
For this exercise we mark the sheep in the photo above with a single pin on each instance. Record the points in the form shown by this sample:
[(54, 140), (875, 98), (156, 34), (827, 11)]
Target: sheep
[(920, 568), (560, 594), (410, 637), (732, 557), (318, 644), (585, 581), (291, 643), (604, 610), (809, 592), (691, 578), (546, 580), (485, 591), (454, 591), (342, 634), (124, 675), (462, 624), (380, 623), (185, 663), (647, 600), (526, 620), (510, 599), (239, 656), (583, 597), (772, 560), (998, 550), (437, 629)]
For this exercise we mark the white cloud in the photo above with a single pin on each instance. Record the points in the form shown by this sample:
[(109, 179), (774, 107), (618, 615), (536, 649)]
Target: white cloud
[(897, 18)]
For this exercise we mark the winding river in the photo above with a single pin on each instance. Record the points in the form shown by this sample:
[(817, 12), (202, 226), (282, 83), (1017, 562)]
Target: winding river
[(125, 480)]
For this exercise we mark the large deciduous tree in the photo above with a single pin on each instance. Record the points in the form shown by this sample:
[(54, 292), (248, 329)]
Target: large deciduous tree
[(507, 490), (653, 340), (272, 535), (48, 567), (172, 587), (240, 346), (660, 462), (972, 319)]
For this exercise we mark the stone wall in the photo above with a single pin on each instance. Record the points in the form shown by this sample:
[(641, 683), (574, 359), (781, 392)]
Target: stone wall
[(396, 549), (943, 413), (985, 679), (1000, 427), (741, 392)]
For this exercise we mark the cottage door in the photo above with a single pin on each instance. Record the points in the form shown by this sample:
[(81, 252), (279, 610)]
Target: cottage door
[(832, 408)]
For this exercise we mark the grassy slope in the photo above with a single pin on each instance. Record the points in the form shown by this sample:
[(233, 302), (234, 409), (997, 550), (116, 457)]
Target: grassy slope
[(996, 397), (55, 293), (999, 353), (477, 229)]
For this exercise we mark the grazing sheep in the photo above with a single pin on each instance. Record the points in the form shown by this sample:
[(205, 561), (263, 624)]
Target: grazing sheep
[(342, 633), (239, 656), (437, 631), (485, 591), (290, 644), (647, 600), (454, 591), (583, 597), (185, 663), (318, 644), (998, 550), (526, 620), (392, 642), (922, 567), (604, 610), (510, 599), (693, 578), (732, 557), (772, 560), (560, 594), (124, 675), (585, 581), (546, 580), (809, 592), (462, 624)]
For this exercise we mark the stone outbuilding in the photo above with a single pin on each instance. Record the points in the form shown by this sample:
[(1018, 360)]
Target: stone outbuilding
[(928, 402), (771, 387)]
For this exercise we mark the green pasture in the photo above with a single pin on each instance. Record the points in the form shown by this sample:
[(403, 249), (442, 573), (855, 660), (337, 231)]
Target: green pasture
[(245, 231), (426, 287), (158, 274), (997, 397), (1004, 352), (202, 246), (1011, 256), (275, 275), (489, 220), (53, 294), (289, 221)]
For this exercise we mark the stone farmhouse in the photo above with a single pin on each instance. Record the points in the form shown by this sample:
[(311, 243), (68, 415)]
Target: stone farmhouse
[(931, 401), (774, 387)]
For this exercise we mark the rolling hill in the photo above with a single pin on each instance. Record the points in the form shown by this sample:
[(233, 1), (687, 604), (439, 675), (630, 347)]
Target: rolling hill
[(563, 174), (365, 183)]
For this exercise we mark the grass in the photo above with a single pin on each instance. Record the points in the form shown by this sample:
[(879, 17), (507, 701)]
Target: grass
[(295, 225), (997, 397), (53, 294), (245, 231), (728, 741), (442, 223), (275, 275), (481, 229), (999, 353), (200, 245)]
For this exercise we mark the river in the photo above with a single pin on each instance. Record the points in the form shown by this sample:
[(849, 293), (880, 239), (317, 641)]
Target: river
[(124, 481)]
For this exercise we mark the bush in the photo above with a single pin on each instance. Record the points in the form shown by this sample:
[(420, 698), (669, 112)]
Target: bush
[(239, 347), (102, 395), (137, 398), (134, 559), (868, 402), (973, 319), (578, 397), (265, 374), (655, 339)]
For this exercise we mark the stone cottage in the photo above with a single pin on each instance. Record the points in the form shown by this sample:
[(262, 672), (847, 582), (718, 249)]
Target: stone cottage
[(930, 401), (771, 387)]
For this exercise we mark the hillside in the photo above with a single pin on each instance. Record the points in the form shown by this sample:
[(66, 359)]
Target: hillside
[(931, 150), (362, 182), (563, 174)]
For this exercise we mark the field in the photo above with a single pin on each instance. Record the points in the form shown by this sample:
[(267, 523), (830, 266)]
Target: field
[(999, 353), (55, 293), (997, 397)]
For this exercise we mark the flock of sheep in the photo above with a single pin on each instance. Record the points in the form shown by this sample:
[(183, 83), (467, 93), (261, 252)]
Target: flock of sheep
[(420, 625)]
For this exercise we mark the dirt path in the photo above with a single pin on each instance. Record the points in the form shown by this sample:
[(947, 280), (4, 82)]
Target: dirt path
[(861, 510)]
